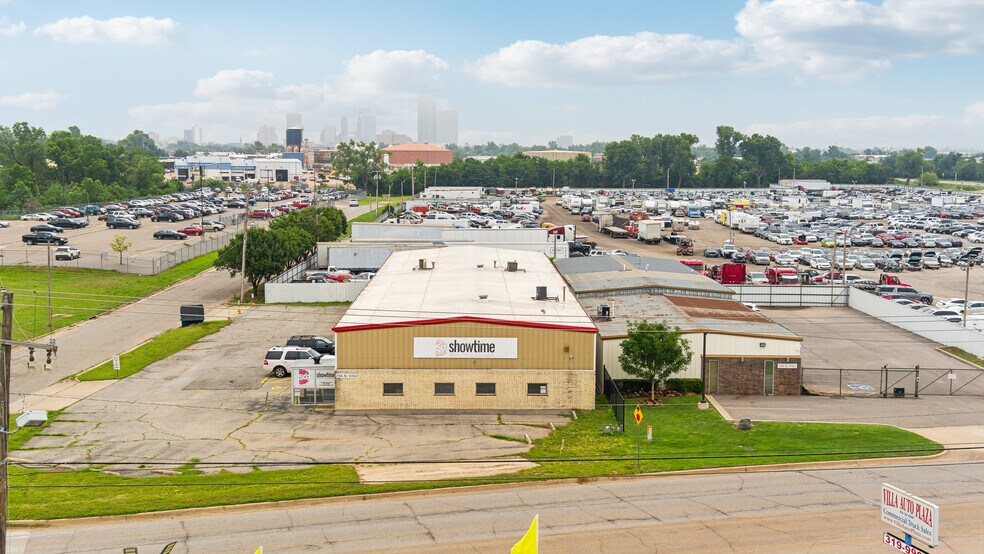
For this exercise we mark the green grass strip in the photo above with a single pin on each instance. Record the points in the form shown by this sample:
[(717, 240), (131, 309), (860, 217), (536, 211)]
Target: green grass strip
[(80, 294), (156, 349)]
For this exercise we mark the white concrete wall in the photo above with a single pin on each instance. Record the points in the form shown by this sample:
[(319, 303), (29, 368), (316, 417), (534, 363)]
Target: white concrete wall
[(789, 295), (276, 293), (717, 345), (924, 325)]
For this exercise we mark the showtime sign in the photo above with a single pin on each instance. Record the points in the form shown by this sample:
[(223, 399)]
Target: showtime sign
[(465, 347)]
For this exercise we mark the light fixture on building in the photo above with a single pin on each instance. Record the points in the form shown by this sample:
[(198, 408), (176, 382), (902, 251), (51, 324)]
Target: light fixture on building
[(761, 345)]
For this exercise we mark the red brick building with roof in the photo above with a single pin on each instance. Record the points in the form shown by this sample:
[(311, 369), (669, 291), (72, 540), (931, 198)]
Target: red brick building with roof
[(410, 154)]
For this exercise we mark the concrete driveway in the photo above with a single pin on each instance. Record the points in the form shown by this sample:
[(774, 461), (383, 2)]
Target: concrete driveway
[(213, 402)]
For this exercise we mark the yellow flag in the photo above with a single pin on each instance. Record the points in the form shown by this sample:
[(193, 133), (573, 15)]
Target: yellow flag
[(530, 543), (259, 550)]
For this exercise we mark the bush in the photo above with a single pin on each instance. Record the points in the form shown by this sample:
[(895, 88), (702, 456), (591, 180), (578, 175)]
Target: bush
[(684, 386)]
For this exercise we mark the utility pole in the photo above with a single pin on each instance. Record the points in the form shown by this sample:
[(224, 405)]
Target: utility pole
[(242, 270), (966, 291), (6, 344), (50, 328)]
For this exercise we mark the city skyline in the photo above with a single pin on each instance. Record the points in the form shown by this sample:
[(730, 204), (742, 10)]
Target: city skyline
[(895, 73)]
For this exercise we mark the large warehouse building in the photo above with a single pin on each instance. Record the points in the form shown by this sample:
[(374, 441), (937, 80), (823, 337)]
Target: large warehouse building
[(465, 329), (409, 154)]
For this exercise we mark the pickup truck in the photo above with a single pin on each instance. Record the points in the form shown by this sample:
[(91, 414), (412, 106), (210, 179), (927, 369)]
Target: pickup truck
[(44, 237)]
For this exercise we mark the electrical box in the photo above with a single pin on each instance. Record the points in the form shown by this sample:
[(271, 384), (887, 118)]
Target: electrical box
[(32, 419)]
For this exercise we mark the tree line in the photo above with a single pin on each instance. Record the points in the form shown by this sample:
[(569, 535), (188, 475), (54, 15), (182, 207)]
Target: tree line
[(68, 167)]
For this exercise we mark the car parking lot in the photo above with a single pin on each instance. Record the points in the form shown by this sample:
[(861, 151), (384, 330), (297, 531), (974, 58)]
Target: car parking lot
[(214, 403), (93, 241)]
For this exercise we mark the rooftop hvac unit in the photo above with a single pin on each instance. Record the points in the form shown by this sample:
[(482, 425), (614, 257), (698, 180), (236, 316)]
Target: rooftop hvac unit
[(605, 311), (421, 264), (512, 266), (541, 293)]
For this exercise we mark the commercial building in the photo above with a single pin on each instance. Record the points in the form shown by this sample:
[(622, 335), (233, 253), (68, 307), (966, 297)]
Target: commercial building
[(556, 155), (409, 154), (294, 120), (426, 119), (228, 168), (565, 141), (389, 137), (267, 135), (469, 329), (447, 126), (365, 126), (746, 352)]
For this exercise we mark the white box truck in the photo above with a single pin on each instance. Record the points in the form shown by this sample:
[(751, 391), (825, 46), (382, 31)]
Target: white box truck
[(649, 231)]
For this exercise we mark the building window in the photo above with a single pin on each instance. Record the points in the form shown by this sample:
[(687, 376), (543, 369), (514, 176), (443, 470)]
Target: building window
[(485, 389), (536, 389), (392, 389), (443, 389)]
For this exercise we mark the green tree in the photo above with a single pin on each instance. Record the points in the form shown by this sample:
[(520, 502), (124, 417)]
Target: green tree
[(139, 140), (324, 224), (654, 352), (929, 179), (357, 162), (725, 168), (908, 164), (763, 154), (121, 245), (269, 252)]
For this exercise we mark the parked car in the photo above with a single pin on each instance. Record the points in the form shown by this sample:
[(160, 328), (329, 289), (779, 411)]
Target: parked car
[(210, 225), (67, 253), (38, 217), (280, 360), (192, 230), (46, 228), (319, 344), (168, 234), (904, 292), (170, 217), (44, 237), (122, 223), (67, 223)]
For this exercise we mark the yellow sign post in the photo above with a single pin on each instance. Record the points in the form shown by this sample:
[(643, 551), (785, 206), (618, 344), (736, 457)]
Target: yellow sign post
[(638, 417)]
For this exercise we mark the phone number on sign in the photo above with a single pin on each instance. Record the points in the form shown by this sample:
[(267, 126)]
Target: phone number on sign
[(899, 544)]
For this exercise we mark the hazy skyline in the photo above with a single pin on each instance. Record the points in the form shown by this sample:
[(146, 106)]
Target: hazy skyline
[(812, 72)]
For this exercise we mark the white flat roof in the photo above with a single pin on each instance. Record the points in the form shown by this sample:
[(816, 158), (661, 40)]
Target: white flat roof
[(401, 293)]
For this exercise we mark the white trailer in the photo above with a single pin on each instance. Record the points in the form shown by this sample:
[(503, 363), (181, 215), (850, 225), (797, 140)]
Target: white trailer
[(649, 231)]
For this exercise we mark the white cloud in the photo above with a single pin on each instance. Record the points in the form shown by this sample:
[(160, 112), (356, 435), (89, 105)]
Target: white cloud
[(32, 100), (848, 39), (233, 102), (9, 28), (393, 72), (237, 83), (118, 30), (609, 60), (959, 131)]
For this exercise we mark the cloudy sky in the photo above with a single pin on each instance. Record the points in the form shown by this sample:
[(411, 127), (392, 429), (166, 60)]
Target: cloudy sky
[(812, 72)]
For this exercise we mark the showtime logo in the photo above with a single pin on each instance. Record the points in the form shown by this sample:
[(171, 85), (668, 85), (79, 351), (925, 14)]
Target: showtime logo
[(464, 347)]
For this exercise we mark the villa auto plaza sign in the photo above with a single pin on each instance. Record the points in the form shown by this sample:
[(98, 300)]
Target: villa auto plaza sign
[(912, 515), (465, 347)]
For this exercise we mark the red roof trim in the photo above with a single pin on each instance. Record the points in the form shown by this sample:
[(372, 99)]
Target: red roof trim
[(467, 319)]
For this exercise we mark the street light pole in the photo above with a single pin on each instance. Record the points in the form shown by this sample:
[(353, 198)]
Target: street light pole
[(516, 184), (376, 178), (967, 291)]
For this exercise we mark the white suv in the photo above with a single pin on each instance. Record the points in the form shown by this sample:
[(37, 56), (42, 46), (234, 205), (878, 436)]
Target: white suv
[(280, 360)]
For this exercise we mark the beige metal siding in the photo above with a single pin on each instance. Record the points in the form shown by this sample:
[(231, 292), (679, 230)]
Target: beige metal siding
[(393, 348)]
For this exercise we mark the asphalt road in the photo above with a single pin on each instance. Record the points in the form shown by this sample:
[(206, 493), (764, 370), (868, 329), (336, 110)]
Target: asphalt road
[(92, 342), (828, 510)]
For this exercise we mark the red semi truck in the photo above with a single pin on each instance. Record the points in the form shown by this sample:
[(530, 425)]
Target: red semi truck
[(782, 276), (729, 274)]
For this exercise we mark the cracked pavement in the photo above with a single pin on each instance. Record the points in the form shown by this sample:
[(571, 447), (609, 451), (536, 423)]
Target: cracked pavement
[(213, 403)]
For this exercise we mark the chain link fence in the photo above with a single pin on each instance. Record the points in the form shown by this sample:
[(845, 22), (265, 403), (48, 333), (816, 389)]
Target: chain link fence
[(147, 263)]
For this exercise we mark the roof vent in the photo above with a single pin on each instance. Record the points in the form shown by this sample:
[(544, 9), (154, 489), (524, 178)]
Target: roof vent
[(422, 265), (483, 297), (480, 266), (512, 266), (604, 311)]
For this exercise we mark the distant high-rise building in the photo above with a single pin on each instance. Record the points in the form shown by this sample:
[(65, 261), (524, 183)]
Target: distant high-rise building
[(426, 119), (565, 141), (365, 126), (389, 137), (193, 135), (294, 120), (295, 137), (329, 137), (155, 137), (447, 126), (343, 134), (267, 135)]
